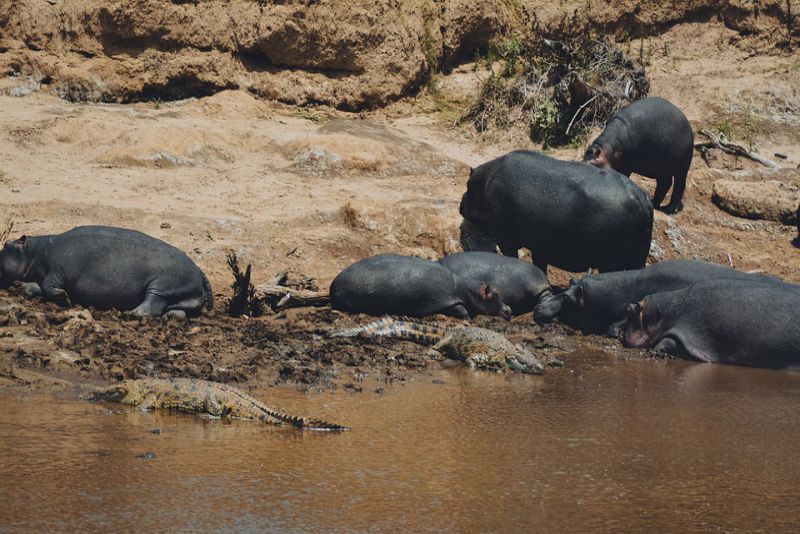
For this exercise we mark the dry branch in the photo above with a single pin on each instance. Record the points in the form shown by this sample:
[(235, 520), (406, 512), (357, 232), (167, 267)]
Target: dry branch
[(6, 232), (282, 297), (721, 142)]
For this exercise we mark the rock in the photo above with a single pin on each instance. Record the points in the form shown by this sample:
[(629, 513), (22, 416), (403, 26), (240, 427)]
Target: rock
[(771, 199)]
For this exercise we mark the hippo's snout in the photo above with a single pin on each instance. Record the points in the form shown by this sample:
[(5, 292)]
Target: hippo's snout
[(547, 309)]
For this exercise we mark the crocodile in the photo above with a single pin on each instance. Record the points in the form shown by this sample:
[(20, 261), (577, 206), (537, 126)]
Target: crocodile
[(475, 346), (201, 397)]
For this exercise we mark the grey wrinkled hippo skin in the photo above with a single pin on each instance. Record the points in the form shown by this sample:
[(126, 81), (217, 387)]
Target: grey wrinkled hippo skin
[(726, 321), (520, 283), (596, 304), (650, 137), (569, 214), (107, 268), (405, 285)]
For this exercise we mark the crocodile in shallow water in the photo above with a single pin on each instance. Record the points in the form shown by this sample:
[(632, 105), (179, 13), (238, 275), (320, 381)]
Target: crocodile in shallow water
[(476, 347), (201, 397)]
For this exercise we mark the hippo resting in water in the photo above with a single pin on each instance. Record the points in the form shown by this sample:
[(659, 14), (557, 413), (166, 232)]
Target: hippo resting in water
[(519, 283), (571, 215), (596, 304), (404, 285), (650, 137), (105, 267), (726, 321)]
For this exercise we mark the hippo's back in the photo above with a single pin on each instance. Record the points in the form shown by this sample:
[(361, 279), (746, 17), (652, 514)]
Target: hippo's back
[(578, 216), (393, 284), (109, 267)]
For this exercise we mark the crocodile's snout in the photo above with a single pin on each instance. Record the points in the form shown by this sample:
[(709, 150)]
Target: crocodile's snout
[(526, 365)]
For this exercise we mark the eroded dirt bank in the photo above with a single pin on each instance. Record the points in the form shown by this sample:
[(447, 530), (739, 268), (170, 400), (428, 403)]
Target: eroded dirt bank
[(374, 53)]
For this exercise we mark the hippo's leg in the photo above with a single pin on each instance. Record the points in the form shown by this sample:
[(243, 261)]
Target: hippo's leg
[(662, 186), (153, 305), (676, 200), (673, 347), (176, 314), (456, 310), (30, 289), (52, 291), (508, 249)]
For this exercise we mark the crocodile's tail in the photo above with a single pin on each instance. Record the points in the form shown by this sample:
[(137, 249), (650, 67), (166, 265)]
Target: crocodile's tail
[(208, 297), (310, 424), (387, 326)]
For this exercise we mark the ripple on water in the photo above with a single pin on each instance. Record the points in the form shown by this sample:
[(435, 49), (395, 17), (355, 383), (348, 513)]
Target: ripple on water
[(600, 444)]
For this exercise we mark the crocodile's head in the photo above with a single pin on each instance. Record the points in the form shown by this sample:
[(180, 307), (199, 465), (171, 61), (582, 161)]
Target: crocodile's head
[(115, 393), (522, 360)]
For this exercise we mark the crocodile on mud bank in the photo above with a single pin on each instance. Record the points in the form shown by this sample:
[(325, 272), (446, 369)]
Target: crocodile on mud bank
[(476, 347), (192, 395)]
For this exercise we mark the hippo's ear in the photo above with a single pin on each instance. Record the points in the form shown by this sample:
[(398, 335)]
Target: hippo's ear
[(487, 292), (19, 243), (573, 282)]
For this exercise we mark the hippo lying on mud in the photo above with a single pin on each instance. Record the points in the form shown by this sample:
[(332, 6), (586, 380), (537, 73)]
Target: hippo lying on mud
[(650, 137), (596, 304), (519, 283), (571, 215), (404, 285), (725, 321), (105, 267)]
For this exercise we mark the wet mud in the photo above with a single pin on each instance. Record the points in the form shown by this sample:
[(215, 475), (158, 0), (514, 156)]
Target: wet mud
[(43, 344)]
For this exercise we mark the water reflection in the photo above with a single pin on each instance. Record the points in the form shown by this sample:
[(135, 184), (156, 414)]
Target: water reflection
[(603, 444)]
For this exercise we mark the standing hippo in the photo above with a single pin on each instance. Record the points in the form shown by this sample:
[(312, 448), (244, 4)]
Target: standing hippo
[(596, 304), (726, 321), (520, 283), (106, 267), (568, 214), (404, 285), (650, 137)]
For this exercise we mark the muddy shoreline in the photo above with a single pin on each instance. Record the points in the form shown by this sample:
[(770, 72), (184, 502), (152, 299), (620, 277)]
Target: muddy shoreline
[(45, 346)]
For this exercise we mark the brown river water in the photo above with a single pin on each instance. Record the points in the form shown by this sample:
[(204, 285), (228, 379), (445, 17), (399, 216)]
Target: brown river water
[(601, 445)]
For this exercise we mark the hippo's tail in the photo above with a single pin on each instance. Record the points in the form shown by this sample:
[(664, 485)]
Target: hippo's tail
[(208, 294)]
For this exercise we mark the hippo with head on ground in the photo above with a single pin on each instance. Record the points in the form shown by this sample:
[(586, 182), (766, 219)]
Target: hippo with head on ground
[(596, 304), (405, 285), (571, 215), (107, 268), (650, 137), (520, 283), (727, 321)]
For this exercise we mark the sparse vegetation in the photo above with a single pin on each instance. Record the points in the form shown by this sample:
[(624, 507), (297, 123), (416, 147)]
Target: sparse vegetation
[(556, 90), (312, 116)]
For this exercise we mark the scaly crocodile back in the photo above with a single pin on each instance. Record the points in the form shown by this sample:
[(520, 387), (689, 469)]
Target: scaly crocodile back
[(389, 327), (201, 396)]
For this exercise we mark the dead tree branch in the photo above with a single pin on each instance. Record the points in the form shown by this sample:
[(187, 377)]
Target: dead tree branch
[(721, 142)]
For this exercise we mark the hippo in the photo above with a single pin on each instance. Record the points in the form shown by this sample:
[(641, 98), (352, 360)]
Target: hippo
[(650, 137), (596, 304), (520, 283), (569, 214), (726, 321), (107, 268), (405, 285)]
